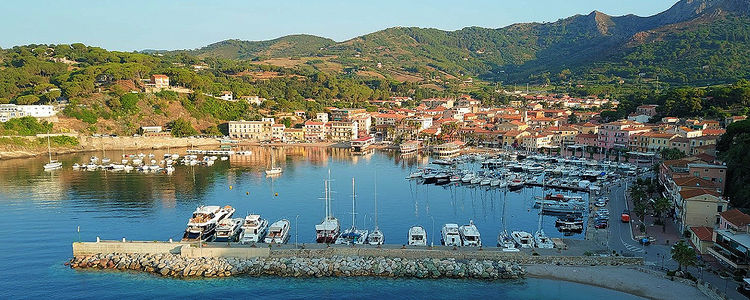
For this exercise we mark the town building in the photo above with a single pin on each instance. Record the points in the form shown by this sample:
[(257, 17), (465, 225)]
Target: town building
[(343, 131), (160, 81), (315, 131), (12, 111), (251, 130)]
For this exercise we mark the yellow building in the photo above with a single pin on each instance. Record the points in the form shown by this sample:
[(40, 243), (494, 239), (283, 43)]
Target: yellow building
[(699, 207)]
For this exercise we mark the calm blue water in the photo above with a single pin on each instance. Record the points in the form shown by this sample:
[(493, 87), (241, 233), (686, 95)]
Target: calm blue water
[(42, 210)]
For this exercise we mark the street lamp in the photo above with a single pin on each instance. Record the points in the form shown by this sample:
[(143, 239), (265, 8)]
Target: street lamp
[(432, 243), (296, 231)]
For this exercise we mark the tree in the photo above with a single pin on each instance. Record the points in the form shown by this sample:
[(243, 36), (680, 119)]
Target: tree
[(27, 99), (733, 148), (671, 154), (683, 254), (287, 122), (661, 206), (181, 128), (572, 119)]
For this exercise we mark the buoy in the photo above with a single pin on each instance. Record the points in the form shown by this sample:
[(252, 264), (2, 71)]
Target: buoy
[(277, 194), (230, 187), (247, 193)]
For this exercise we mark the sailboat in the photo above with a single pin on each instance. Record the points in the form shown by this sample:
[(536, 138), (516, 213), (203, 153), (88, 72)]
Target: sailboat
[(504, 240), (273, 170), (105, 159), (540, 238), (53, 164), (328, 230), (376, 237), (353, 235)]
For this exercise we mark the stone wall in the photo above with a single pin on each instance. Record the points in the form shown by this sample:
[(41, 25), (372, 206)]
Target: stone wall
[(81, 249)]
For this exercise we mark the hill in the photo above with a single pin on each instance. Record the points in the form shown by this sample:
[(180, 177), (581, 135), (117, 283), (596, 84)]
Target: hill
[(695, 41), (292, 45)]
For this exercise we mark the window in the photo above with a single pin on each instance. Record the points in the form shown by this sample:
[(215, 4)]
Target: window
[(719, 208)]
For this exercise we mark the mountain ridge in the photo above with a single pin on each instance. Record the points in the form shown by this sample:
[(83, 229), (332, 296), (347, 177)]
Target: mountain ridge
[(514, 52)]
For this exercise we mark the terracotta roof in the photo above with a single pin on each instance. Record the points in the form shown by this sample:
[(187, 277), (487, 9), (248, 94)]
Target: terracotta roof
[(736, 217), (694, 182), (691, 193), (703, 233)]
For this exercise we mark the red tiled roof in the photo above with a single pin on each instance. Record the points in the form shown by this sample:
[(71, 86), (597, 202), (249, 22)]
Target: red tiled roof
[(703, 233), (691, 193), (736, 217)]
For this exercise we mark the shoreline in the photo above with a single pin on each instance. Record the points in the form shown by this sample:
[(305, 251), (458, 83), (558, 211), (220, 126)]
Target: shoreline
[(626, 279)]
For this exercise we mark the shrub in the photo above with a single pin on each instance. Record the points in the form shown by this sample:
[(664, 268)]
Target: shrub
[(27, 126)]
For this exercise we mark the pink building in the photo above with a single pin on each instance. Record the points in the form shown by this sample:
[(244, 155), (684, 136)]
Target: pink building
[(617, 134)]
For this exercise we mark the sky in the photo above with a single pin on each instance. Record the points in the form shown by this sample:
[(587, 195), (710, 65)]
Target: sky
[(129, 25)]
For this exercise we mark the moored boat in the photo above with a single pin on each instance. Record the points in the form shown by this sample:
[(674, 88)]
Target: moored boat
[(253, 229), (523, 239), (228, 230), (278, 232), (417, 236), (470, 235), (203, 222), (450, 235)]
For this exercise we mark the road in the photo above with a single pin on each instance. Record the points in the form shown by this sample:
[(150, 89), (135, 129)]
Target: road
[(658, 255)]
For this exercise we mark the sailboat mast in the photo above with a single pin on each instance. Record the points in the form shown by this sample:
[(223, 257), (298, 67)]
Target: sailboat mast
[(49, 149), (353, 203), (376, 201)]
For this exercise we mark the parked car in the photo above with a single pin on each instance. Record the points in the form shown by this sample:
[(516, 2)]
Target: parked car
[(601, 225), (600, 204)]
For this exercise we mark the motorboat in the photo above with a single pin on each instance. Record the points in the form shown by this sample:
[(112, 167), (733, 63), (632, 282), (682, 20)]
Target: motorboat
[(328, 230), (253, 229), (449, 235), (470, 235), (495, 182), (515, 184), (417, 236), (505, 242), (485, 181), (523, 239), (202, 224), (416, 174), (278, 232), (467, 178), (228, 230), (76, 166), (542, 241)]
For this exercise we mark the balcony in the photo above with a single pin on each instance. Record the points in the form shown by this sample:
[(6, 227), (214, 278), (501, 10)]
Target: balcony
[(719, 250)]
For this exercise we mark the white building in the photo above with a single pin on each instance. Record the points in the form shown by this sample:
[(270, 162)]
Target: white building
[(11, 111), (226, 96), (322, 117)]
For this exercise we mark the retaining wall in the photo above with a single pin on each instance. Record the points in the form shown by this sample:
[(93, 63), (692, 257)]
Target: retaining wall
[(91, 248)]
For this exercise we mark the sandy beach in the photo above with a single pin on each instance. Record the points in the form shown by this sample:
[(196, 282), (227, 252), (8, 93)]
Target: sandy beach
[(621, 278)]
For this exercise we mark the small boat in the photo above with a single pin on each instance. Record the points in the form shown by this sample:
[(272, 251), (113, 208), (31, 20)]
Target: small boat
[(52, 164), (542, 241), (253, 229), (505, 242), (515, 184), (485, 181), (523, 239), (376, 237), (416, 174), (93, 159), (223, 158), (105, 160), (467, 178), (417, 236), (228, 230), (274, 170), (278, 232), (470, 235), (76, 166), (495, 182), (450, 235)]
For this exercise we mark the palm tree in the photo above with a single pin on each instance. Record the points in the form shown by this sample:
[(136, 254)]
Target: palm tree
[(683, 254), (662, 206)]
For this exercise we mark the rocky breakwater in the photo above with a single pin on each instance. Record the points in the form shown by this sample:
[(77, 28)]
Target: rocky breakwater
[(172, 265)]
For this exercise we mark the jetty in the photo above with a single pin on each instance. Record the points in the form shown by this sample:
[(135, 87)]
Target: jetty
[(178, 259)]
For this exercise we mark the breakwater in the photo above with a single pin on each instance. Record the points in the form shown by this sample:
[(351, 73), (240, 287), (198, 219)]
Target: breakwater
[(215, 260), (173, 265)]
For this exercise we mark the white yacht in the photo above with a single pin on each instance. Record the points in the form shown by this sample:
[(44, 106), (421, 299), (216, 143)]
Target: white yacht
[(328, 230), (470, 235), (542, 240), (203, 222), (417, 236), (523, 239), (278, 233), (450, 235), (228, 230), (352, 235), (505, 242), (253, 229)]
